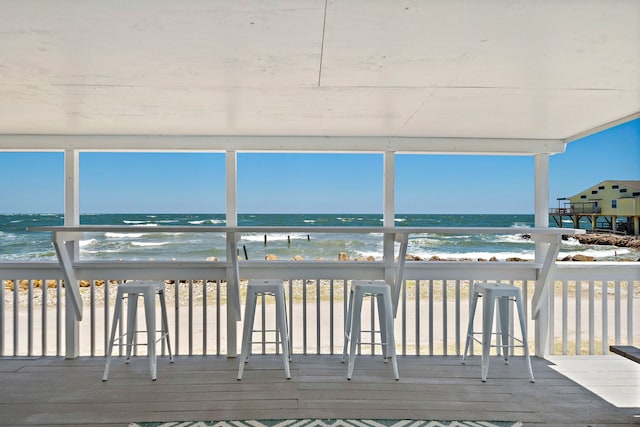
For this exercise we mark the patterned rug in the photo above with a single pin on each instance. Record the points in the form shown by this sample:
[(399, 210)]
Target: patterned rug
[(330, 423)]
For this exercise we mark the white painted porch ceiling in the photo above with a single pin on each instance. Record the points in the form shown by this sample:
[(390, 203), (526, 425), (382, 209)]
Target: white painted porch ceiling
[(415, 68)]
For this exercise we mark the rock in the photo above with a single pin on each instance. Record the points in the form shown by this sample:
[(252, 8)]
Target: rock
[(212, 258), (343, 256), (493, 259), (435, 258), (298, 258), (567, 258), (271, 257), (580, 257), (608, 239), (371, 258)]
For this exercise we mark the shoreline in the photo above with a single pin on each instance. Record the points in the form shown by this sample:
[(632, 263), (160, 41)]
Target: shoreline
[(608, 239)]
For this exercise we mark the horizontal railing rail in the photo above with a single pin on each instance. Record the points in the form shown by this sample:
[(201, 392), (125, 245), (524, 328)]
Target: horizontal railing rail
[(592, 305)]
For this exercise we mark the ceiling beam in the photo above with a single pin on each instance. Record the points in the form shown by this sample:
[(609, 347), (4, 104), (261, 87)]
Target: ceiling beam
[(349, 144), (603, 127)]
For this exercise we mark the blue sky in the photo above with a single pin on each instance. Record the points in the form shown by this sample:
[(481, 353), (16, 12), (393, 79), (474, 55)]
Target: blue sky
[(313, 183)]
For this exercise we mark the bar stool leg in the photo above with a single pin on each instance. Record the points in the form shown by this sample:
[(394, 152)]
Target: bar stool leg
[(525, 341), (281, 321), (249, 316), (487, 329), (347, 326), (114, 326), (382, 315), (503, 320), (355, 330), (165, 324), (389, 332), (150, 314), (472, 313), (132, 312)]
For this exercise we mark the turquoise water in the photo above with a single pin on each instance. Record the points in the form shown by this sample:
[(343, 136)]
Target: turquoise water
[(19, 244)]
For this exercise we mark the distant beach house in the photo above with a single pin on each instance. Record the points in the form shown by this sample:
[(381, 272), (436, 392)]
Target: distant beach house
[(610, 205)]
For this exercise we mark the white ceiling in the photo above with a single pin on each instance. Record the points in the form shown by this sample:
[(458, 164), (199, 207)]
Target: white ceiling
[(540, 69)]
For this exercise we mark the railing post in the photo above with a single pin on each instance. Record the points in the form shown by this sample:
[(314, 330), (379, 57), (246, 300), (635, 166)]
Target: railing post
[(388, 215), (233, 295), (71, 217), (541, 313), (72, 324), (233, 271)]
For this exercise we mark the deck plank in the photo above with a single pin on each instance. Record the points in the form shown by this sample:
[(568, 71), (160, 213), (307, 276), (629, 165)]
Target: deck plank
[(54, 391)]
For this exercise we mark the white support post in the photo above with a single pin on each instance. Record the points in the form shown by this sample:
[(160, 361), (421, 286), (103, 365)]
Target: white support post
[(388, 214), (232, 188), (541, 312), (389, 189), (73, 308), (233, 271)]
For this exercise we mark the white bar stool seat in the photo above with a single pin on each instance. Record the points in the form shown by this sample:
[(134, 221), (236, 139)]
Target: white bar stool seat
[(131, 290), (275, 288), (491, 293), (382, 291)]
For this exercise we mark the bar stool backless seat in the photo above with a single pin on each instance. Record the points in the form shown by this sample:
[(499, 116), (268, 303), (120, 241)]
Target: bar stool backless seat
[(503, 294), (131, 290), (256, 288), (382, 292)]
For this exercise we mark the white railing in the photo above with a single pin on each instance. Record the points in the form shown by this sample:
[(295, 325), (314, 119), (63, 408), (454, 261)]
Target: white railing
[(595, 306), (432, 316)]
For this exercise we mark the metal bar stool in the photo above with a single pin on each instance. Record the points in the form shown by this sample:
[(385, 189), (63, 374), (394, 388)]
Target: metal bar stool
[(382, 291), (275, 288), (131, 291), (502, 294)]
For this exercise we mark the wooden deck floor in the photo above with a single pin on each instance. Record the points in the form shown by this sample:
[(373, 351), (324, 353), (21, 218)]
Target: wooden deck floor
[(54, 391)]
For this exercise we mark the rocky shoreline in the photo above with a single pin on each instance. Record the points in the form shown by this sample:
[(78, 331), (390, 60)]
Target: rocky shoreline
[(608, 239)]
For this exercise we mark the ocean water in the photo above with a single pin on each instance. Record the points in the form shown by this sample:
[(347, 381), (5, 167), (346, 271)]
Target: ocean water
[(18, 244)]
